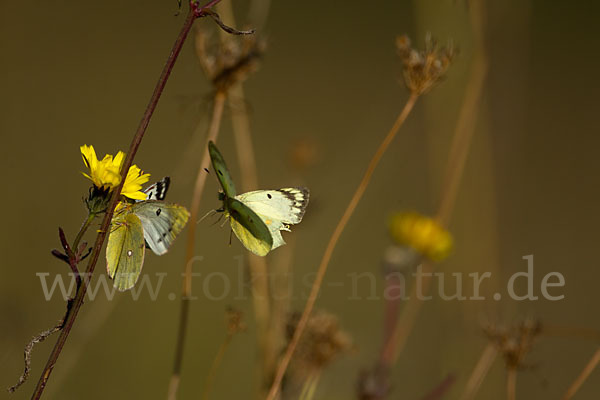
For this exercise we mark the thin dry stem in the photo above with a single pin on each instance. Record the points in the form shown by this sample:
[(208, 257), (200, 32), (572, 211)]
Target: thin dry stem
[(461, 143), (257, 265), (201, 176), (213, 132), (465, 126), (280, 284), (571, 332), (587, 370), (249, 181), (480, 371), (360, 190), (511, 384), (310, 387), (27, 353), (215, 365)]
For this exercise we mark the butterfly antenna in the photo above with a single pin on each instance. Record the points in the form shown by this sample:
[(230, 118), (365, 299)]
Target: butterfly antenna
[(210, 213), (230, 232)]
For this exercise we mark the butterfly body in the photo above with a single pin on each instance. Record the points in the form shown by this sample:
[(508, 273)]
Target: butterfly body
[(258, 217)]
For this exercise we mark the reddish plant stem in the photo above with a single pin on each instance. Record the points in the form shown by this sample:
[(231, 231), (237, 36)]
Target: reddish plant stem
[(74, 305), (441, 389)]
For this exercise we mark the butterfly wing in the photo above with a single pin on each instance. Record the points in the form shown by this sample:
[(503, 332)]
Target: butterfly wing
[(286, 205), (161, 223), (277, 208), (220, 168), (249, 227), (158, 190), (125, 250)]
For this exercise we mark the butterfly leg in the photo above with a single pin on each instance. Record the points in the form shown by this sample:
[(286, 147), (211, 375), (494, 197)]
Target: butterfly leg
[(208, 214), (224, 222)]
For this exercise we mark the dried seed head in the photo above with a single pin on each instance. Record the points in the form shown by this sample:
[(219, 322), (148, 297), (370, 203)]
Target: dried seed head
[(514, 342), (322, 341), (235, 324), (423, 69), (231, 61)]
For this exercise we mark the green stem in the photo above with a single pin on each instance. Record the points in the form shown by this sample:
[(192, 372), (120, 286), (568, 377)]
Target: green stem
[(82, 230)]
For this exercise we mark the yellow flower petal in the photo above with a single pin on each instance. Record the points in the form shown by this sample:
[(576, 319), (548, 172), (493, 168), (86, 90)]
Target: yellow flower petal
[(106, 173), (119, 159), (421, 233), (89, 156), (135, 195)]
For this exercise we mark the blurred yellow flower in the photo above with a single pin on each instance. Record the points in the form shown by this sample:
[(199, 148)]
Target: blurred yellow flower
[(421, 233), (106, 174)]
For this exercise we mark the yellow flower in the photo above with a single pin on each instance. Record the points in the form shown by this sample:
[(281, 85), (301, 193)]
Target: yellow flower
[(106, 174), (421, 233)]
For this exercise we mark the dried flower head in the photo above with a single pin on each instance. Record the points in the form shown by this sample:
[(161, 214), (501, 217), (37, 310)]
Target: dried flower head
[(235, 323), (514, 342), (421, 233), (322, 341), (231, 61), (423, 69)]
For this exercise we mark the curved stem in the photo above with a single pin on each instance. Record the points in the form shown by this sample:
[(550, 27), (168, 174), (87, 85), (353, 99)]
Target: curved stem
[(360, 190), (75, 304), (213, 133), (479, 372), (587, 370), (212, 372), (511, 383), (82, 230), (461, 144), (266, 335)]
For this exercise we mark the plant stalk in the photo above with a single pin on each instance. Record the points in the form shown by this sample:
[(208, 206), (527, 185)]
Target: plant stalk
[(75, 304), (587, 370), (213, 132), (360, 190)]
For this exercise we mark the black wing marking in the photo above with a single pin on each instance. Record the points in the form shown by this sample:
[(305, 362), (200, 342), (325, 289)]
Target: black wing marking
[(158, 190)]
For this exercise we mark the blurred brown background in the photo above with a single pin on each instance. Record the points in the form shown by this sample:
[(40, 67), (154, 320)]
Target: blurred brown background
[(82, 72)]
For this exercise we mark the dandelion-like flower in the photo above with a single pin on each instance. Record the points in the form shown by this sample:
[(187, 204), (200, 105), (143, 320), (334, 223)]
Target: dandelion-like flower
[(421, 233), (106, 173)]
